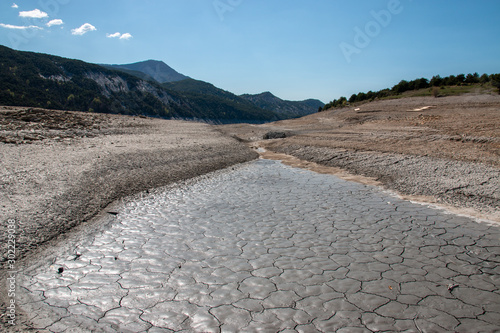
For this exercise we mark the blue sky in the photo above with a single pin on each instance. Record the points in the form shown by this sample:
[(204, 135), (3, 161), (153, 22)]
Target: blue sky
[(295, 49)]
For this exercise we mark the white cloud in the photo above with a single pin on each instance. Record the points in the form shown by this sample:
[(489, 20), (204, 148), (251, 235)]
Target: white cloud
[(55, 22), (35, 13), (83, 29), (119, 35), (115, 35), (126, 36), (14, 6), (19, 27)]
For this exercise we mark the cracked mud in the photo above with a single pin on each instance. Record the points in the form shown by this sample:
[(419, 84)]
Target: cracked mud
[(266, 247)]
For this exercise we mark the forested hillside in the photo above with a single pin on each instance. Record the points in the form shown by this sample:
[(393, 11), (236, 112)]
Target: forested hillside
[(41, 80), (286, 109), (437, 86)]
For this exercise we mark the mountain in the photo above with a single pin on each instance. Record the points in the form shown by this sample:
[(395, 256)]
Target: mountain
[(199, 87), (196, 89), (267, 101), (284, 109), (158, 70), (41, 80), (214, 98)]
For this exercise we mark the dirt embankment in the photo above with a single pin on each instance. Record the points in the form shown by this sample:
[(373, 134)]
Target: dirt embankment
[(61, 168), (445, 149)]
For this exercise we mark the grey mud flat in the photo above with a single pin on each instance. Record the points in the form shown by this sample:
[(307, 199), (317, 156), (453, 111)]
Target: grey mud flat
[(270, 248)]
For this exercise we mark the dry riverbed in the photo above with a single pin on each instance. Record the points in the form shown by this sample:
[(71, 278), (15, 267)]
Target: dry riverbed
[(441, 150), (60, 169)]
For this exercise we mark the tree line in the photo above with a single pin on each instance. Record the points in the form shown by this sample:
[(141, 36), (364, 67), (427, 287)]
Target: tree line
[(417, 84)]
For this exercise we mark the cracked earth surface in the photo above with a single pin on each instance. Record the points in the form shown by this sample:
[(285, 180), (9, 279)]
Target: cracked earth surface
[(270, 248)]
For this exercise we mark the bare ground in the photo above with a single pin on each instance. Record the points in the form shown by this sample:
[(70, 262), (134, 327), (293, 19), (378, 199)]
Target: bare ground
[(442, 150), (61, 168)]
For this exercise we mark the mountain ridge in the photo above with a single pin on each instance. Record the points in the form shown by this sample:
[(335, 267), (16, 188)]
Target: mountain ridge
[(48, 81), (266, 100), (156, 69), (41, 80), (290, 109)]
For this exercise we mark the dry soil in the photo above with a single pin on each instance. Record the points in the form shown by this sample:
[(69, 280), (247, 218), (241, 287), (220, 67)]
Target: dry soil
[(440, 150)]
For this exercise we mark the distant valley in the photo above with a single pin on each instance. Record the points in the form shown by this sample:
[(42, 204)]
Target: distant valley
[(171, 79), (149, 88)]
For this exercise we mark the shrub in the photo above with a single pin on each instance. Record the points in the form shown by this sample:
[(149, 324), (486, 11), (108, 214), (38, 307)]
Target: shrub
[(435, 91), (495, 81)]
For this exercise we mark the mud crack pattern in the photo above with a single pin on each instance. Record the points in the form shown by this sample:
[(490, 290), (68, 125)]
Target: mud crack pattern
[(271, 248)]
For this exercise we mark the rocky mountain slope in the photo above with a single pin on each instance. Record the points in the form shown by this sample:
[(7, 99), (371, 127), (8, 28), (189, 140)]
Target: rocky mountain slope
[(41, 80), (162, 73)]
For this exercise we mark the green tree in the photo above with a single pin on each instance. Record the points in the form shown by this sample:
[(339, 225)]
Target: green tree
[(361, 97), (421, 83), (342, 101), (484, 79), (401, 87), (383, 93), (451, 80), (495, 81), (472, 78), (436, 81)]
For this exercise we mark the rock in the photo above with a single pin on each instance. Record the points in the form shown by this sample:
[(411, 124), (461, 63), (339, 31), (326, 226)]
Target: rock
[(274, 135)]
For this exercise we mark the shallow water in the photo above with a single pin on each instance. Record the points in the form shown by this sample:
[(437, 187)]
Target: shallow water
[(269, 247)]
